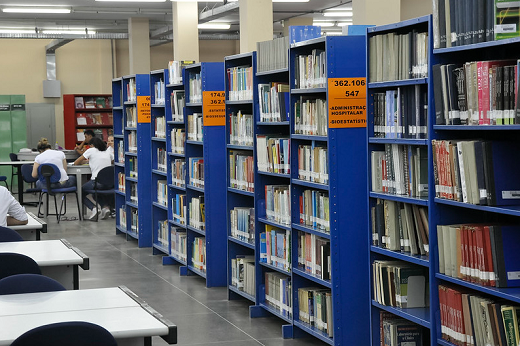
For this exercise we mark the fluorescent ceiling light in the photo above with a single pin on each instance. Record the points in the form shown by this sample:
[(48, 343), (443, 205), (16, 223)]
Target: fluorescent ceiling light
[(217, 26), (17, 31), (132, 0), (338, 14), (70, 32), (278, 0), (323, 24), (197, 0), (344, 23), (35, 10), (332, 33)]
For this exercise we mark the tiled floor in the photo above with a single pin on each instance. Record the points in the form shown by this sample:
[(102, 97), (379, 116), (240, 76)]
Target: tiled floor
[(203, 316)]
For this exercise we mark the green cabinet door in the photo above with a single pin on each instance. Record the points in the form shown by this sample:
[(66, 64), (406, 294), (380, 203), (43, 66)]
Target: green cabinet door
[(5, 133)]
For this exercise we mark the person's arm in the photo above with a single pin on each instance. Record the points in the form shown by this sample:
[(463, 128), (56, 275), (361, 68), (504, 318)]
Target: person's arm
[(80, 149), (17, 214), (80, 160), (35, 170), (11, 221), (65, 164)]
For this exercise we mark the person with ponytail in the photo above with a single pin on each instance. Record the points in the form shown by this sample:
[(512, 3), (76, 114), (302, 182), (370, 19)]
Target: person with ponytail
[(56, 157)]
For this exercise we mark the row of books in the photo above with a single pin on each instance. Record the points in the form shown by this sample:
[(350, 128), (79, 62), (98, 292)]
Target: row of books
[(485, 254), (196, 171), (275, 247), (401, 113), (314, 210), (278, 293), (315, 308), (132, 167), (162, 232), (195, 87), (469, 319), (179, 211), (240, 83), (310, 116), (99, 133), (273, 154), (476, 93), (160, 127), (177, 103), (131, 94), (272, 55), (197, 215), (476, 172), (161, 159), (309, 70), (314, 255), (121, 186), (94, 119), (195, 128), (241, 129), (396, 331), (179, 243), (400, 227), (162, 192), (179, 172), (84, 102), (277, 204), (159, 90), (121, 151), (178, 139), (133, 192), (312, 163), (134, 220), (395, 56), (122, 217), (243, 273), (400, 170), (198, 254), (241, 170), (400, 284), (242, 224), (131, 116), (274, 102), (175, 70)]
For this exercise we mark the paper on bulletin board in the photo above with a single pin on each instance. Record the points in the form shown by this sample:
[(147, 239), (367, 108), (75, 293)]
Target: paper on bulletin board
[(214, 108), (143, 110), (347, 100)]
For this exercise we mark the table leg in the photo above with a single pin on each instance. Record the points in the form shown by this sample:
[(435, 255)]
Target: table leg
[(79, 185), (20, 185)]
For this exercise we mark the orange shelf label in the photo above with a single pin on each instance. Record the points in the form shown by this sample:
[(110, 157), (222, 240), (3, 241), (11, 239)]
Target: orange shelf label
[(214, 108), (347, 102), (143, 109)]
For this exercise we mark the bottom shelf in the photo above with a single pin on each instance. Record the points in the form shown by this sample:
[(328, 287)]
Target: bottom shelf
[(241, 293), (421, 316), (133, 235), (197, 271), (444, 342), (121, 229), (314, 332), (161, 248), (276, 312)]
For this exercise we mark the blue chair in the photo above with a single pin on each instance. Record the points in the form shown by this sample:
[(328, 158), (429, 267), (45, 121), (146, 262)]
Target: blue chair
[(26, 171), (75, 333), (15, 263), (8, 235), (105, 178), (14, 169), (50, 174), (29, 283), (3, 179)]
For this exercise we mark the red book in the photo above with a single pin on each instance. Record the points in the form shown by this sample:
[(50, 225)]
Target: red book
[(442, 305), (471, 252), (480, 256), (488, 256)]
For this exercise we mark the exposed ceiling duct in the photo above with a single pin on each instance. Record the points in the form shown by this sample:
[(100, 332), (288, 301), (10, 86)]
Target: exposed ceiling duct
[(218, 12)]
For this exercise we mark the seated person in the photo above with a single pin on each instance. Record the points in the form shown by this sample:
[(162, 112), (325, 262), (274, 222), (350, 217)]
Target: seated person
[(98, 158), (9, 205), (56, 157), (83, 146), (110, 144)]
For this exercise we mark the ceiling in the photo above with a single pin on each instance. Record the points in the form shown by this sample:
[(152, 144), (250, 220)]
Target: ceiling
[(112, 17)]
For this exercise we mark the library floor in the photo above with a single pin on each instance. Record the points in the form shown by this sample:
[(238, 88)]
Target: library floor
[(203, 316)]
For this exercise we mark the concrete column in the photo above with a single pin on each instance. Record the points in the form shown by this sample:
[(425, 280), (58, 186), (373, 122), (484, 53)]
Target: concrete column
[(295, 21), (139, 45), (415, 8), (185, 31), (256, 23), (376, 12)]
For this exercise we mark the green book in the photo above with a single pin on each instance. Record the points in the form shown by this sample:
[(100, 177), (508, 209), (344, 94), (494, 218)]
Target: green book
[(507, 19), (510, 324)]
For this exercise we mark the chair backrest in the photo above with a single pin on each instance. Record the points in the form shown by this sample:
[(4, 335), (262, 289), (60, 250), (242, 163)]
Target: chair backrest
[(106, 177), (29, 283), (7, 235), (74, 333), (13, 157), (27, 173), (49, 174), (15, 263)]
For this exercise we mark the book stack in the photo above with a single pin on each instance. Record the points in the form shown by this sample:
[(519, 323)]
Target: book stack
[(309, 70), (131, 117), (395, 331), (94, 119), (273, 154), (277, 204), (241, 170), (278, 293), (196, 169), (310, 116), (179, 209), (121, 151), (131, 90), (132, 165), (476, 93), (275, 247), (395, 56), (198, 257), (243, 273), (121, 182), (196, 213), (160, 127), (272, 55), (241, 129), (178, 243), (158, 89), (401, 113), (314, 210), (162, 192), (484, 254), (274, 102), (122, 217), (133, 192), (132, 142), (178, 138), (195, 128), (400, 170), (195, 88), (175, 70), (242, 220), (312, 163), (315, 308), (134, 221), (399, 284), (179, 172), (240, 83), (314, 255), (161, 159), (162, 232), (476, 172), (177, 101), (400, 227)]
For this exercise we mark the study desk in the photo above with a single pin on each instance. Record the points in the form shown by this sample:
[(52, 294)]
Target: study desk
[(117, 309), (31, 155), (57, 259), (32, 230), (19, 175)]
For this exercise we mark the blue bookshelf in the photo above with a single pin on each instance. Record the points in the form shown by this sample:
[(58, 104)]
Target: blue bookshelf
[(119, 154)]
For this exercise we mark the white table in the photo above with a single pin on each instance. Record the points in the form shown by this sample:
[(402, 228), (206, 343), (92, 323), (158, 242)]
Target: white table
[(129, 319), (33, 228), (57, 259), (29, 156), (79, 171)]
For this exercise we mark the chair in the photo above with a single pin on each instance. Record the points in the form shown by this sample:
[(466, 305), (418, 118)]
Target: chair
[(15, 263), (28, 178), (14, 169), (77, 333), (8, 235), (104, 177), (3, 179), (29, 283), (50, 174)]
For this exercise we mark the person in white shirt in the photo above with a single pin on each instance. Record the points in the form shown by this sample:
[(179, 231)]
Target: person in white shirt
[(55, 157), (98, 158), (9, 205), (110, 144)]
